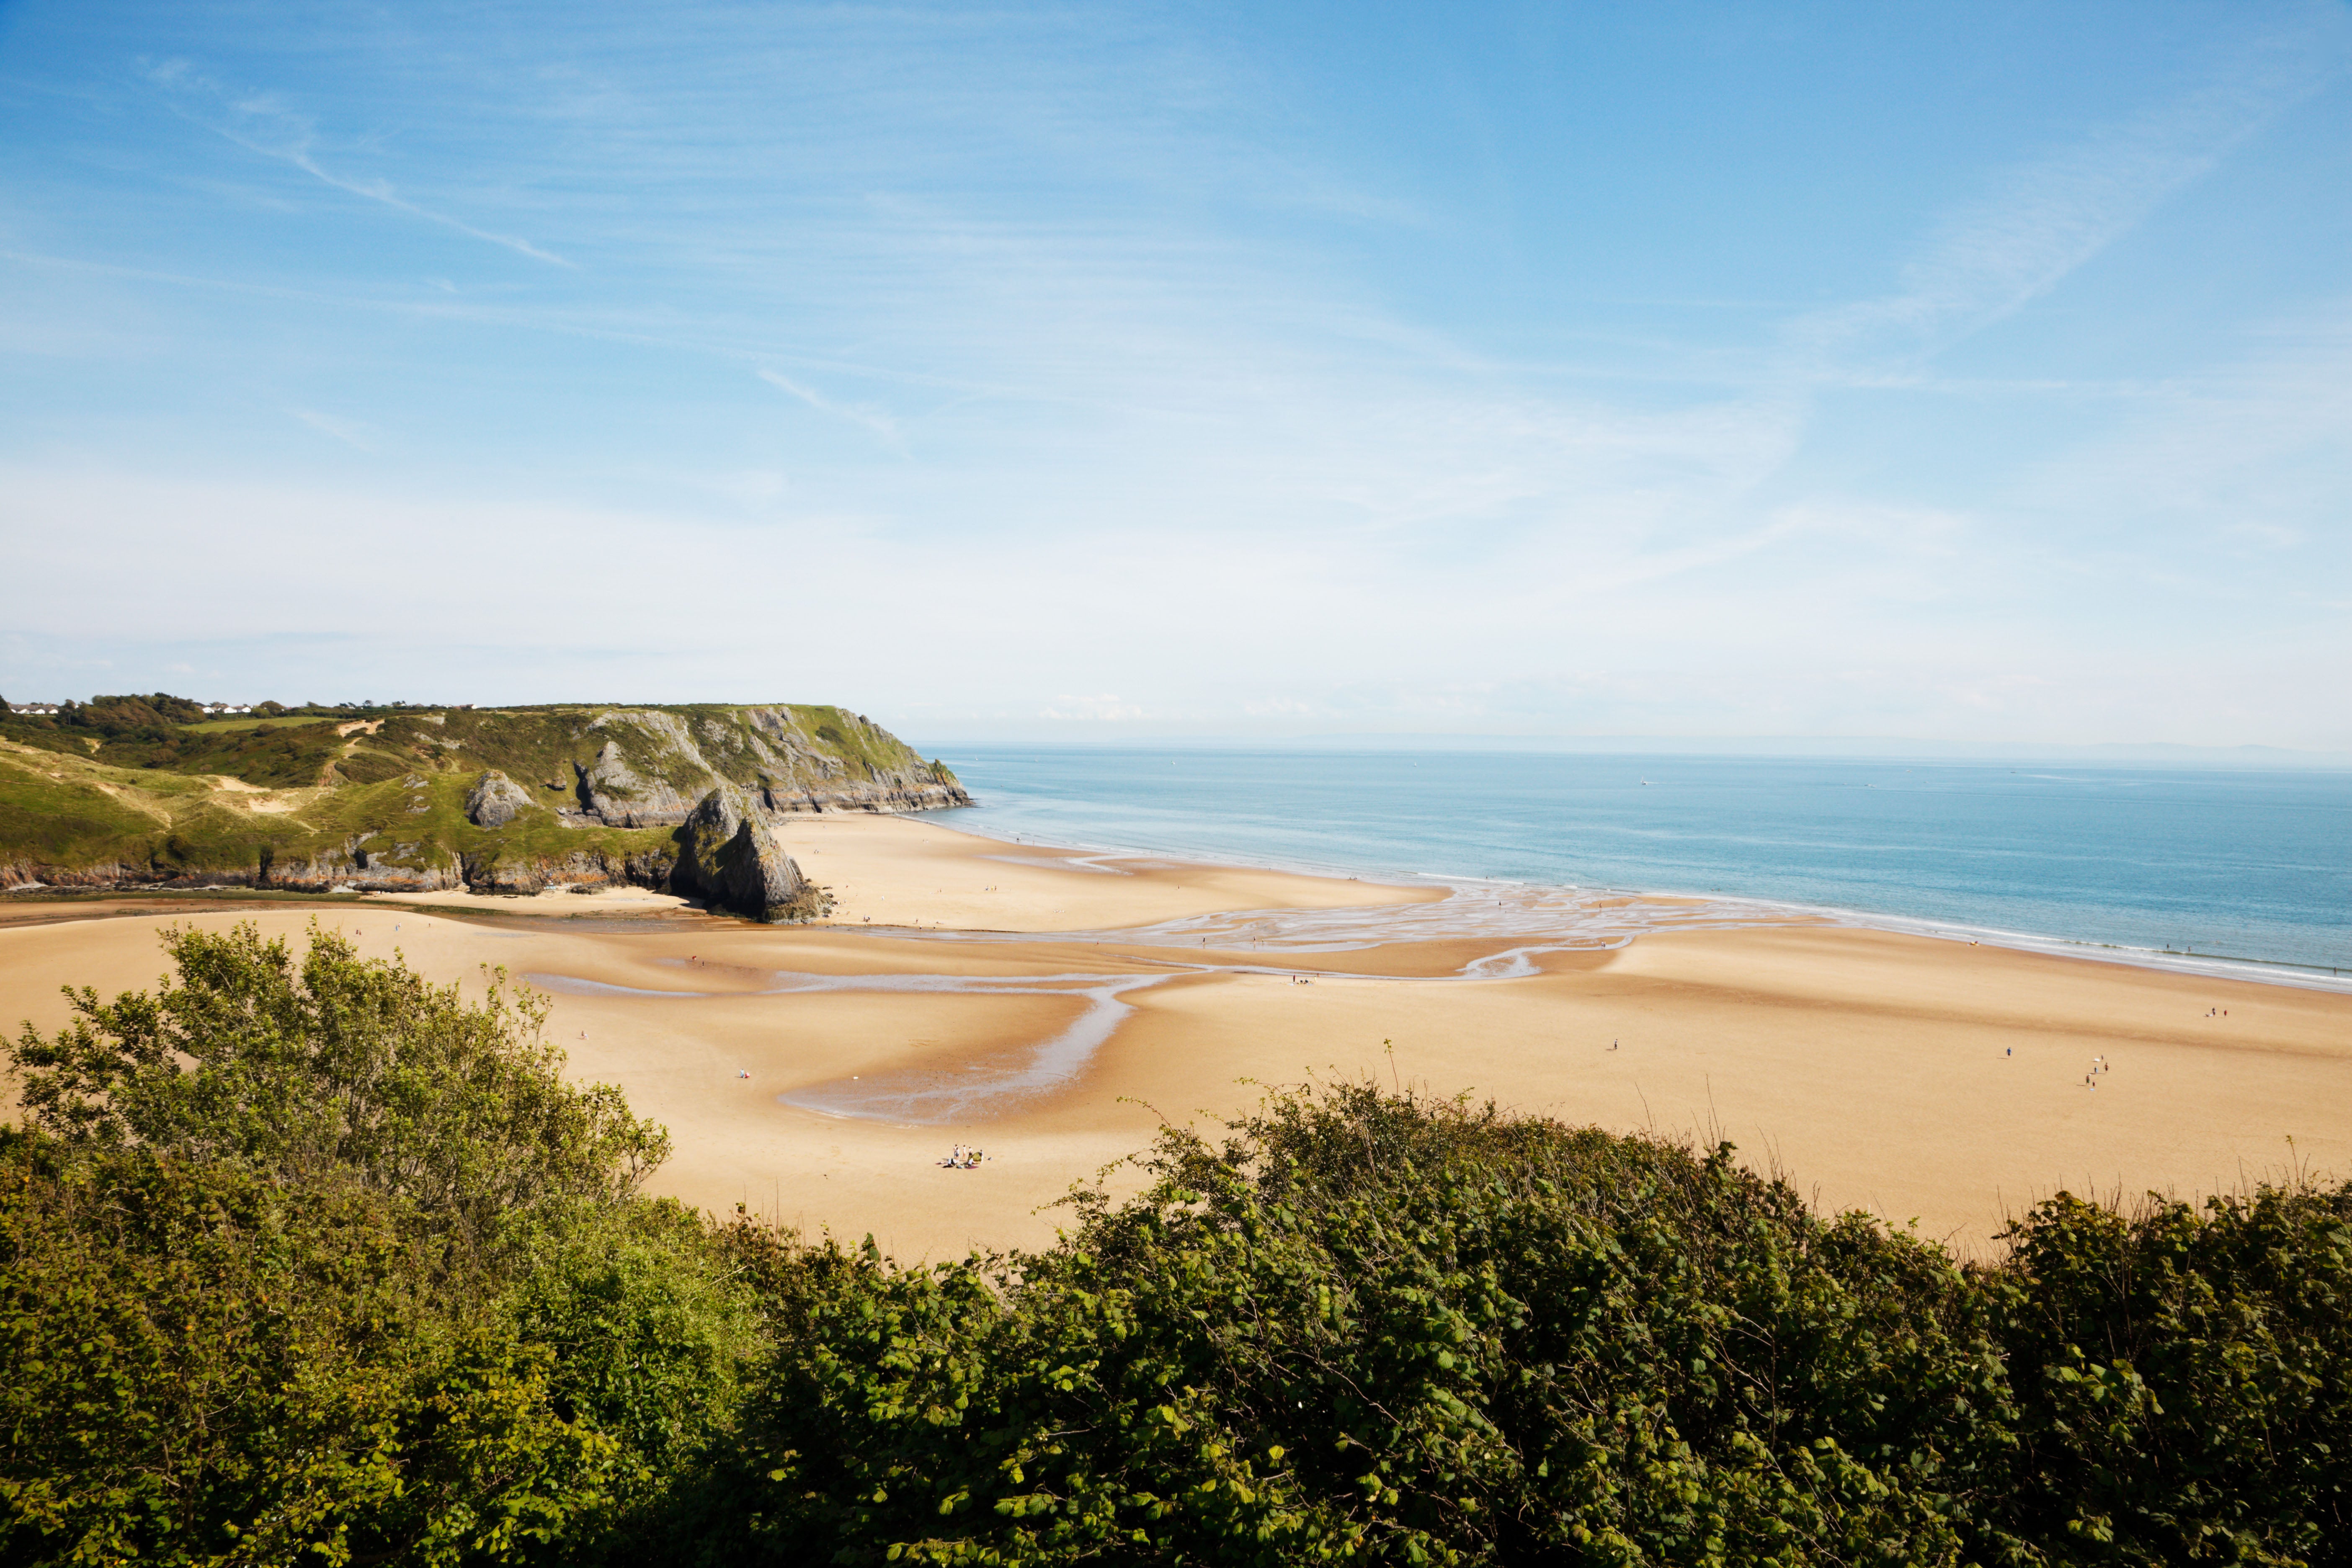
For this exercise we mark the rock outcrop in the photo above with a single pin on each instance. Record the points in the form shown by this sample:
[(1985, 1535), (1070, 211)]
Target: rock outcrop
[(496, 800), (492, 800), (730, 857), (490, 869), (494, 870), (654, 766)]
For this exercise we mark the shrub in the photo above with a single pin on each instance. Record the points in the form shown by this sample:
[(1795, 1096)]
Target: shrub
[(1382, 1328), (318, 1259), (208, 1366), (337, 1067)]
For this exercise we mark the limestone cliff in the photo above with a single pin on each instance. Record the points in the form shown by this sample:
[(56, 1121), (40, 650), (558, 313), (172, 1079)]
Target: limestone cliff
[(655, 765), (511, 800), (729, 856)]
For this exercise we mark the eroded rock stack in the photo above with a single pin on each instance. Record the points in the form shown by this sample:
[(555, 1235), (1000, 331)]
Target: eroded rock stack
[(729, 856)]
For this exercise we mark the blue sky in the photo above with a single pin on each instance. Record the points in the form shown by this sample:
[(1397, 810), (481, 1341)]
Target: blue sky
[(1969, 373)]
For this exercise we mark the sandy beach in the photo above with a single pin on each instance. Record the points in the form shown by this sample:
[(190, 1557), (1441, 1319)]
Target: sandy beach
[(1049, 1006)]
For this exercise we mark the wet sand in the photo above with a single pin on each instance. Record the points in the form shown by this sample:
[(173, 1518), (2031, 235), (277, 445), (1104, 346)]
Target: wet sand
[(1047, 1005)]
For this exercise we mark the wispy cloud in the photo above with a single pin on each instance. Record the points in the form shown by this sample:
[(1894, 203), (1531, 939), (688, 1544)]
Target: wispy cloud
[(2041, 222), (2252, 458), (864, 415), (1127, 349), (261, 126), (350, 432), (1100, 709)]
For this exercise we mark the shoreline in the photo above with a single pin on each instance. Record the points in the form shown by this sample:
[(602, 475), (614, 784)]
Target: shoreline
[(2253, 970), (1042, 1005), (628, 903), (623, 903)]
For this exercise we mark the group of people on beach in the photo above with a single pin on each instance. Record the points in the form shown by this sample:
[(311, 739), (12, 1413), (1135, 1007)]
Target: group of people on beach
[(963, 1159), (2099, 1065)]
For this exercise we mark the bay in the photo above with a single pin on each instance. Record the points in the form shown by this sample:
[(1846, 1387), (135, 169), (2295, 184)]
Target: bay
[(2251, 865)]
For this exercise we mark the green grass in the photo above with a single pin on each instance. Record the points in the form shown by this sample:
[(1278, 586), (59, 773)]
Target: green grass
[(68, 821), (163, 810), (248, 721)]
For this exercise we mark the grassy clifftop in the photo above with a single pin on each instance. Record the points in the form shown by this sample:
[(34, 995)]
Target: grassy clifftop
[(378, 798)]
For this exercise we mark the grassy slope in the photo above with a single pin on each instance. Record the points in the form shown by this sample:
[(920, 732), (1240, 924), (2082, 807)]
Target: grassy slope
[(720, 731), (248, 721), (398, 791)]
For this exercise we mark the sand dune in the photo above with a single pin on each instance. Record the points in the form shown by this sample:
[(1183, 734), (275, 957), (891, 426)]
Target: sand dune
[(1876, 1069)]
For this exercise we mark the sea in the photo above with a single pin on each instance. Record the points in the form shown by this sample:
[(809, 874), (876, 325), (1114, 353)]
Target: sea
[(2245, 872)]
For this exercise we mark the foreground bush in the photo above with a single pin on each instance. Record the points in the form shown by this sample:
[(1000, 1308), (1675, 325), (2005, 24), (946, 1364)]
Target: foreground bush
[(315, 1261), (376, 1286), (1382, 1329)]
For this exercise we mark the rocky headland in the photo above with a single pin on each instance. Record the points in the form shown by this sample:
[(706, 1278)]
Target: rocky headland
[(684, 798)]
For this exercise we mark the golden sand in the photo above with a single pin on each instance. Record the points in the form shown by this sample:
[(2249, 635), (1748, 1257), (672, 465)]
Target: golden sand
[(1903, 1075)]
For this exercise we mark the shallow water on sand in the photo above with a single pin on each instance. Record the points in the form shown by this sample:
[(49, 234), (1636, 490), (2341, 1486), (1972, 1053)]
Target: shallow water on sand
[(2250, 867), (1523, 924), (930, 1096), (2243, 874)]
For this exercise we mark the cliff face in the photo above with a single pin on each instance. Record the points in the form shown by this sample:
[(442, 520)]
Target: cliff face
[(348, 868), (510, 801), (654, 765)]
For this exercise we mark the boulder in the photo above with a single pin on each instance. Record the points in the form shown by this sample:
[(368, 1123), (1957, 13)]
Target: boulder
[(494, 800), (730, 858)]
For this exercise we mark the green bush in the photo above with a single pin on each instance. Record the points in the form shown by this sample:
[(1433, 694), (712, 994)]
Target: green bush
[(338, 1068), (2185, 1379), (309, 1260), (1386, 1329), (210, 1367), (1382, 1329)]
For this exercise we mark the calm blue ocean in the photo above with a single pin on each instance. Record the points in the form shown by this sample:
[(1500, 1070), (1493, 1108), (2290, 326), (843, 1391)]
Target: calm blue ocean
[(2249, 865)]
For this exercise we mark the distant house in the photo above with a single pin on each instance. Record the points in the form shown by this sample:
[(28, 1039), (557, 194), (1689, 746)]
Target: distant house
[(224, 709), (33, 708)]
